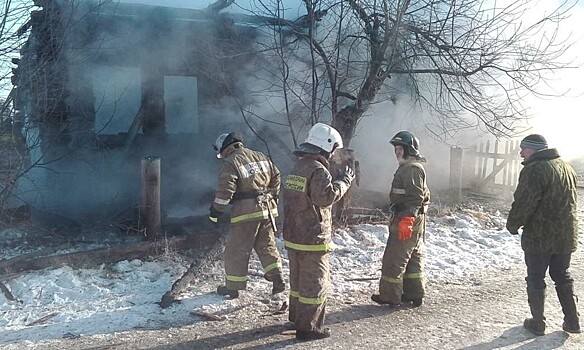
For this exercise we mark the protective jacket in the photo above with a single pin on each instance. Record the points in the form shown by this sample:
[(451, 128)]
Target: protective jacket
[(402, 269), (309, 193), (409, 194), (251, 182), (545, 205)]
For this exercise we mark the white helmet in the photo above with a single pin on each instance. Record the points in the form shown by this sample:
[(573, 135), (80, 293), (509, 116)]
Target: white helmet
[(325, 137), (225, 140), (218, 145)]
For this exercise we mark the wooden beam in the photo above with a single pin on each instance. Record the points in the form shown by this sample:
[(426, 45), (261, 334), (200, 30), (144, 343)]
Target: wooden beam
[(150, 206), (96, 257)]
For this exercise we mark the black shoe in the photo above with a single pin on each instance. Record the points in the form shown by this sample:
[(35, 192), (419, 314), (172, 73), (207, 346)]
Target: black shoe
[(536, 327), (573, 327), (377, 298), (232, 294), (313, 335), (416, 302), (278, 285)]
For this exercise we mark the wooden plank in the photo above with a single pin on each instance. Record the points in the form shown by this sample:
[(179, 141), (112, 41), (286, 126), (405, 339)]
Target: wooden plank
[(6, 292), (96, 257), (496, 170), (477, 162), (170, 297), (150, 206), (495, 161), (506, 169), (484, 167)]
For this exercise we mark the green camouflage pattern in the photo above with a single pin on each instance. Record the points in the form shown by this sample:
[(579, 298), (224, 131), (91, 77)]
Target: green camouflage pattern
[(545, 205)]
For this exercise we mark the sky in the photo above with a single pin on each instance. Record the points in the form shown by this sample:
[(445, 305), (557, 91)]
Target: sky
[(108, 299), (559, 118)]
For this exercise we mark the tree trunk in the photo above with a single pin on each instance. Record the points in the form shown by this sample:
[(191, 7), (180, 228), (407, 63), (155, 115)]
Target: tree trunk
[(346, 121)]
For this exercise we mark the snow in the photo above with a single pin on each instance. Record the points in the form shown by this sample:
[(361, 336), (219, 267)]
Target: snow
[(66, 302)]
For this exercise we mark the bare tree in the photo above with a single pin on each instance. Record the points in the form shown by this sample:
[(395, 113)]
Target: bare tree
[(14, 17), (13, 25), (469, 62)]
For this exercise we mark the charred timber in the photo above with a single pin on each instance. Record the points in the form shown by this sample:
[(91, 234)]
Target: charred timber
[(92, 258)]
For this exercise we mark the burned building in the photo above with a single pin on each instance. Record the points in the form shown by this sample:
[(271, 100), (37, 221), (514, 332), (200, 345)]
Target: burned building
[(102, 84)]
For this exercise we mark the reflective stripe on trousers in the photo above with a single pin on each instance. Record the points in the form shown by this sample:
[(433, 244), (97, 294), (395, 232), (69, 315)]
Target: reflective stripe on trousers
[(263, 214)]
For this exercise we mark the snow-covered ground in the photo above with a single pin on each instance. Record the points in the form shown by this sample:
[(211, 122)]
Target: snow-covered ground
[(66, 302)]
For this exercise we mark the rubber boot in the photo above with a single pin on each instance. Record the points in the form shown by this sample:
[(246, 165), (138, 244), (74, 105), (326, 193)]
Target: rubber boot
[(417, 302), (313, 335), (568, 301), (278, 284), (377, 298), (231, 294), (536, 300)]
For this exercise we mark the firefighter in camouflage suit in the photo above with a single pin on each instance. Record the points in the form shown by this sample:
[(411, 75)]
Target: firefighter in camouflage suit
[(309, 193), (402, 279), (545, 205), (251, 183)]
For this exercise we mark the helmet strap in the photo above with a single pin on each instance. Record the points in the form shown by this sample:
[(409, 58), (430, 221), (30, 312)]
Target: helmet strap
[(326, 154)]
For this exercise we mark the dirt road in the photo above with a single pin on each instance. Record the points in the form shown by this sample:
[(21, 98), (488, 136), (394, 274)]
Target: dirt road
[(486, 312)]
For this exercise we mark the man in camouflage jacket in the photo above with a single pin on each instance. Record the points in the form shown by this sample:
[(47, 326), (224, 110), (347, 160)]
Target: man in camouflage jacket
[(545, 206), (309, 193), (251, 182)]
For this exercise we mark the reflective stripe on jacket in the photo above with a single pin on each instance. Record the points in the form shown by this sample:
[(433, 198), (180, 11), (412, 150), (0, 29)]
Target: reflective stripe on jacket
[(409, 190), (247, 171), (409, 194), (308, 194)]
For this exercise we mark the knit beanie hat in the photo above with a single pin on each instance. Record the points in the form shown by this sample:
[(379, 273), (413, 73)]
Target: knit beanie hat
[(534, 141)]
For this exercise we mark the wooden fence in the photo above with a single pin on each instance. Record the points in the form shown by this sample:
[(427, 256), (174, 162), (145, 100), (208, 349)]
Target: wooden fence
[(496, 167), (491, 168)]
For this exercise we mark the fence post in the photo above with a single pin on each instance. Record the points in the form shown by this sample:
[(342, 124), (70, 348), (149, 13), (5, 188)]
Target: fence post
[(150, 206), (455, 178)]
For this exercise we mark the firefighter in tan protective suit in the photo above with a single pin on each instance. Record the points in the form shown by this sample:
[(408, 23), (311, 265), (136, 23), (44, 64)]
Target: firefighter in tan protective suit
[(251, 183), (309, 193), (402, 279)]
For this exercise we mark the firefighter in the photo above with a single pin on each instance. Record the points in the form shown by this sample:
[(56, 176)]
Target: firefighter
[(309, 193), (402, 279), (251, 183)]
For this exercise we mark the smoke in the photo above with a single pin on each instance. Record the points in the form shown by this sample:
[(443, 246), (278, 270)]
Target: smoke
[(376, 155), (110, 62), (110, 54)]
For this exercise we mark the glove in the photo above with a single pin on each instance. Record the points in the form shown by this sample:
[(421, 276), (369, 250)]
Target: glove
[(404, 229), (214, 214), (348, 175)]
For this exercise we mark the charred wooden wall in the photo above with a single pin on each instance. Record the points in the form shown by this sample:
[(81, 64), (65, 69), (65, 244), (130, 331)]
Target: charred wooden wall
[(56, 92), (67, 37)]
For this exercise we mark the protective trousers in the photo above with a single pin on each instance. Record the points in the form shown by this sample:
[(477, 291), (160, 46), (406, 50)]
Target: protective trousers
[(242, 238), (309, 284), (402, 269)]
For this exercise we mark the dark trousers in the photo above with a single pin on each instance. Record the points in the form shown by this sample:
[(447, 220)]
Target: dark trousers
[(537, 265)]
